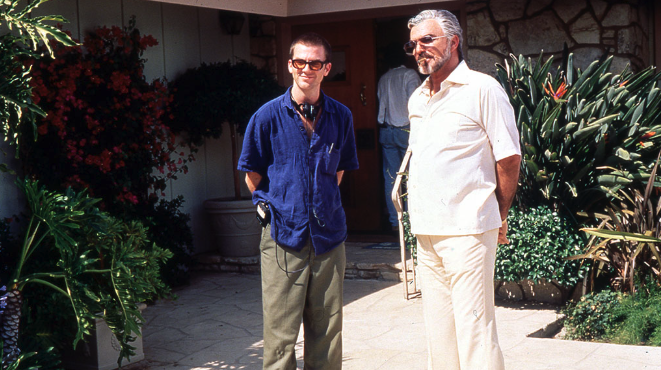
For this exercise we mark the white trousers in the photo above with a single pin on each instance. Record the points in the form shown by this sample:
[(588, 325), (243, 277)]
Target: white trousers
[(456, 277)]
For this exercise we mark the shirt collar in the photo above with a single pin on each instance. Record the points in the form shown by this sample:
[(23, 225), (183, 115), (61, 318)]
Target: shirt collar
[(460, 75), (286, 101)]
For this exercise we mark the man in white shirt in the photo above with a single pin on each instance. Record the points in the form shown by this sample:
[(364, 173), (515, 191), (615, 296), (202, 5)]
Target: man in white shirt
[(395, 88), (463, 176)]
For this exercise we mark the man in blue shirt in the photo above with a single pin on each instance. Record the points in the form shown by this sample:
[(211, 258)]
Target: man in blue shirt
[(295, 152)]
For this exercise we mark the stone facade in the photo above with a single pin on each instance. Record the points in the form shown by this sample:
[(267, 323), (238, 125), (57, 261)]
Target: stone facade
[(497, 28), (590, 29)]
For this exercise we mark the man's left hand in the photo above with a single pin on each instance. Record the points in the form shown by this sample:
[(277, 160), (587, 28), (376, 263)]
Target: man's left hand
[(502, 234)]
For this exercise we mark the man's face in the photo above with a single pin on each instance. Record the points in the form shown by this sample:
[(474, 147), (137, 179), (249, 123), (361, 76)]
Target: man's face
[(433, 56), (305, 78)]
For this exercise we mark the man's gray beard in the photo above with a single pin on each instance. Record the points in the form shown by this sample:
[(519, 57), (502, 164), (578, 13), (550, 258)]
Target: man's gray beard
[(436, 63)]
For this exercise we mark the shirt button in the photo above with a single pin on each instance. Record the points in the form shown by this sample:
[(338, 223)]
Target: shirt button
[(302, 129)]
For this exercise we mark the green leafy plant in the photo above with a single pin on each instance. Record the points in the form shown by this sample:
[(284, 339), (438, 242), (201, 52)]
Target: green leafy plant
[(621, 318), (592, 317), (105, 134), (207, 96), (628, 237), (100, 266), (540, 240), (21, 37), (409, 239), (584, 134), (638, 319)]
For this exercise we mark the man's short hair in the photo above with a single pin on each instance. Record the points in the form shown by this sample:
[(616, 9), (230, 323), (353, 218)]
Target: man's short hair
[(312, 39), (448, 22)]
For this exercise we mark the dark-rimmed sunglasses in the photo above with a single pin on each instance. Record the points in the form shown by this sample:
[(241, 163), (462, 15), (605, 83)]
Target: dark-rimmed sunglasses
[(409, 47), (315, 65)]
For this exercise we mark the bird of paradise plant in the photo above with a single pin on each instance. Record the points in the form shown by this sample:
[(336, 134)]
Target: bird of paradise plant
[(585, 134)]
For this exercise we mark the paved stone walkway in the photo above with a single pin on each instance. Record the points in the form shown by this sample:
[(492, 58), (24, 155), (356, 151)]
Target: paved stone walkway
[(217, 324)]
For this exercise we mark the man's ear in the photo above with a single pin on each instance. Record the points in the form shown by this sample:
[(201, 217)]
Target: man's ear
[(455, 42), (327, 68)]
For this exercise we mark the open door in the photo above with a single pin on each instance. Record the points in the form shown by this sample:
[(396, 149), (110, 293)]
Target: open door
[(352, 81)]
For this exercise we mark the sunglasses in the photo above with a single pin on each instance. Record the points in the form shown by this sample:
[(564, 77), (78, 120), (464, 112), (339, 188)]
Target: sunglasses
[(315, 65), (410, 46)]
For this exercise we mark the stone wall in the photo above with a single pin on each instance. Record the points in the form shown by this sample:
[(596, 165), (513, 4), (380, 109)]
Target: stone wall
[(590, 28)]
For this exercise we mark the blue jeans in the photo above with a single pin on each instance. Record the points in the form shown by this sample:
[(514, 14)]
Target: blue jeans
[(394, 142)]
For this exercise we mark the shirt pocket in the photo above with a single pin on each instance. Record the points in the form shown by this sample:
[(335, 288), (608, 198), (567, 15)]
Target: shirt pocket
[(330, 161)]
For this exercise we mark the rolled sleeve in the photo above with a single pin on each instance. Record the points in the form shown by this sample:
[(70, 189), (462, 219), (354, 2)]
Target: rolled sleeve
[(255, 152), (500, 122)]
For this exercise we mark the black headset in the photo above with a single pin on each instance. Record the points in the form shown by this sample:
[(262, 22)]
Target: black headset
[(309, 111)]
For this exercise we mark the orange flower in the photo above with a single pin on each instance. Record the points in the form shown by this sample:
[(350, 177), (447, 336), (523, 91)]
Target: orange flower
[(562, 89), (648, 134)]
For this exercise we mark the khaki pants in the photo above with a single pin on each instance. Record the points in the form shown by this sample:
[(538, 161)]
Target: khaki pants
[(456, 277), (302, 286)]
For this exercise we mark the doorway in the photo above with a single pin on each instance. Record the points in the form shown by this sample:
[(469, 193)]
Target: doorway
[(359, 39)]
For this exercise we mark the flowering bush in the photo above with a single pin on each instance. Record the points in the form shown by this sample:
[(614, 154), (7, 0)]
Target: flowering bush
[(104, 131)]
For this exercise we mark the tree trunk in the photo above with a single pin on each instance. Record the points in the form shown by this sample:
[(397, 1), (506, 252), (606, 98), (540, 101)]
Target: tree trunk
[(10, 320)]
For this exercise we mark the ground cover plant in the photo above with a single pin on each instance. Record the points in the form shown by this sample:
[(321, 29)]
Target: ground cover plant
[(621, 318)]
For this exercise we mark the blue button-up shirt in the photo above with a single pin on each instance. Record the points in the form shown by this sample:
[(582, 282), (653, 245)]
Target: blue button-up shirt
[(299, 174)]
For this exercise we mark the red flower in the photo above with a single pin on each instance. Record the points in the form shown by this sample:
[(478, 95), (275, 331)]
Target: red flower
[(556, 94)]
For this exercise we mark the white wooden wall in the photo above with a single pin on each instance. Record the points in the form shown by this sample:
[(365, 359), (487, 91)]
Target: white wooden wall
[(187, 36)]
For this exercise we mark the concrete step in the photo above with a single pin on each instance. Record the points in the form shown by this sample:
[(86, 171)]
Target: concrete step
[(365, 260)]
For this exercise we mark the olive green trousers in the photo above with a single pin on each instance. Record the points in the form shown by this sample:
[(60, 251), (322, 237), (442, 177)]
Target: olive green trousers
[(302, 287)]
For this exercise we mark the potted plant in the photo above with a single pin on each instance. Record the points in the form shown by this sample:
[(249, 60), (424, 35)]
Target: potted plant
[(80, 264), (205, 98)]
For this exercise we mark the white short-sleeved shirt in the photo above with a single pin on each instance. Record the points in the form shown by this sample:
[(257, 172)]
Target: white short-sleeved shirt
[(456, 137), (395, 89)]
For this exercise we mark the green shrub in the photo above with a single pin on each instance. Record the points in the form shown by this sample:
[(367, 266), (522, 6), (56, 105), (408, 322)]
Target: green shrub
[(105, 134), (592, 317), (638, 319), (207, 96), (540, 239)]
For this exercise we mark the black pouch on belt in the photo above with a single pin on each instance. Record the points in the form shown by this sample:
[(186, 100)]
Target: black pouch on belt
[(263, 213)]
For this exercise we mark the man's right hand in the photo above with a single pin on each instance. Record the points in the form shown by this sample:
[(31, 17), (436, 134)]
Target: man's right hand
[(502, 234)]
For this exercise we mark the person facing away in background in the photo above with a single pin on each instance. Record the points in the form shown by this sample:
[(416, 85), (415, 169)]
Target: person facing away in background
[(295, 151), (394, 89), (463, 177)]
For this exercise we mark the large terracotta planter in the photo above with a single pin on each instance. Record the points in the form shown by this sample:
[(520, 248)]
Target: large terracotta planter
[(235, 228)]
